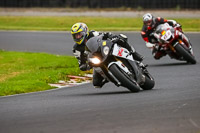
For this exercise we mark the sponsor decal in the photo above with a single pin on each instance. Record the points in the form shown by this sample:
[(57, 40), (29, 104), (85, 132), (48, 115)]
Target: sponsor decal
[(120, 52), (104, 43)]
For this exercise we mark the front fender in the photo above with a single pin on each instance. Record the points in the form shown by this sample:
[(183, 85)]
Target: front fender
[(120, 65)]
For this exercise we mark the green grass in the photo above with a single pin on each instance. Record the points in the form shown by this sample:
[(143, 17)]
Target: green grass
[(46, 23), (22, 72)]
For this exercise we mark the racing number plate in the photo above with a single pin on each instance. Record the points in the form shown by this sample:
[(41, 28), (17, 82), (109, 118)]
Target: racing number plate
[(166, 35)]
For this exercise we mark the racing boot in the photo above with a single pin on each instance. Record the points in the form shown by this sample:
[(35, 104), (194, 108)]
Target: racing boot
[(98, 80), (122, 39), (101, 83), (136, 55)]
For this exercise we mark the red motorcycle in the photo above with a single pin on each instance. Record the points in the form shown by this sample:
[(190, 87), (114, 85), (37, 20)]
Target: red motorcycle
[(170, 41)]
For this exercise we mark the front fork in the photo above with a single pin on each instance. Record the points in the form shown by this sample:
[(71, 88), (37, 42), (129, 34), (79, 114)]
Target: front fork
[(136, 73), (106, 74), (184, 40)]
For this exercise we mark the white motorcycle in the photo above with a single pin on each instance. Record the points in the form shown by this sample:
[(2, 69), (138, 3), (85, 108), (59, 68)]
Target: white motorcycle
[(117, 65)]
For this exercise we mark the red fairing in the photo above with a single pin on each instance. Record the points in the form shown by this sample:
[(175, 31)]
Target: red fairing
[(176, 34)]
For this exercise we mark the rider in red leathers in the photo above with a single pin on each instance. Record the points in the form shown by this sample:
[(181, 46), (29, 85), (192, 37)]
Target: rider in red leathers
[(150, 24)]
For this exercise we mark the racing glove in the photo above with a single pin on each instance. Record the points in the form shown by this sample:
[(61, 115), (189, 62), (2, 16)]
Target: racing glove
[(107, 35), (174, 23), (84, 67), (150, 45)]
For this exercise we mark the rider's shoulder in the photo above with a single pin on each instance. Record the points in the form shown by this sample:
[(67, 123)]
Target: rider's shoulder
[(144, 28), (93, 33), (159, 19), (79, 47)]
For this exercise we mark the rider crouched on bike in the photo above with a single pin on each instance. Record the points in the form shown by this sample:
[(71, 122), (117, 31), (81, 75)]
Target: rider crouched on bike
[(150, 23), (81, 35)]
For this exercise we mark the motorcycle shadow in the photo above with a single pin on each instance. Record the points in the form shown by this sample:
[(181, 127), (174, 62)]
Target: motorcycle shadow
[(126, 92), (169, 64), (105, 93)]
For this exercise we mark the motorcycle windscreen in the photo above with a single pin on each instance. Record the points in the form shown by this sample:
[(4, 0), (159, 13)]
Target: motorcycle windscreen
[(162, 27), (93, 44)]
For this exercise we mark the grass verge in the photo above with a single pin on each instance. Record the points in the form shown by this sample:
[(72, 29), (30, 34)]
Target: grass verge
[(22, 72), (64, 23)]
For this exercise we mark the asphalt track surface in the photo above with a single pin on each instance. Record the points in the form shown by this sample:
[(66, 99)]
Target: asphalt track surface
[(173, 106)]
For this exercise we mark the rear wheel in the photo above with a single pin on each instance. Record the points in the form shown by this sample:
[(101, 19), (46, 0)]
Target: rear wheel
[(124, 78), (186, 55)]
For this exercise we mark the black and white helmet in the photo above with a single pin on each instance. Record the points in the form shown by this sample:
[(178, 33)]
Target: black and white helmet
[(148, 19)]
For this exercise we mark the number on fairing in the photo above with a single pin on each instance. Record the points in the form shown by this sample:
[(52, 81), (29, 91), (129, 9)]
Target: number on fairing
[(121, 52), (167, 35)]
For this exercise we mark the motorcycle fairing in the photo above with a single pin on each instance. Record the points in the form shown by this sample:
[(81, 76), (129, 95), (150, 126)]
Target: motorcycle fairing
[(121, 52), (124, 53)]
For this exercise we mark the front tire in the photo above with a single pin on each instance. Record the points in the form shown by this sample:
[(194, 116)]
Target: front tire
[(124, 78), (186, 55)]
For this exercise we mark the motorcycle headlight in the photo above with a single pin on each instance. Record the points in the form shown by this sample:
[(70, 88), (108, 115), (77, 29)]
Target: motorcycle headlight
[(106, 50), (95, 60)]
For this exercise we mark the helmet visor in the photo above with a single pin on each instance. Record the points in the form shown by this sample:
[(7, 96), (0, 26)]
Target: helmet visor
[(148, 23), (78, 36)]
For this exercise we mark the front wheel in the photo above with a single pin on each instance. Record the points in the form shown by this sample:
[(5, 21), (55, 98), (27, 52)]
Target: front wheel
[(186, 55), (124, 78)]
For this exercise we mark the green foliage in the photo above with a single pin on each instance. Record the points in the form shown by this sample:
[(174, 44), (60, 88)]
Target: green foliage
[(94, 23), (22, 72)]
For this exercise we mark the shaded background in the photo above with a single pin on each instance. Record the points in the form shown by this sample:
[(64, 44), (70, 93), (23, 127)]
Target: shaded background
[(137, 4)]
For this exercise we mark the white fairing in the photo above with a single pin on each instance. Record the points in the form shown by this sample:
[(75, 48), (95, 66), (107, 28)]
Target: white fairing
[(121, 52), (166, 32), (166, 26)]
